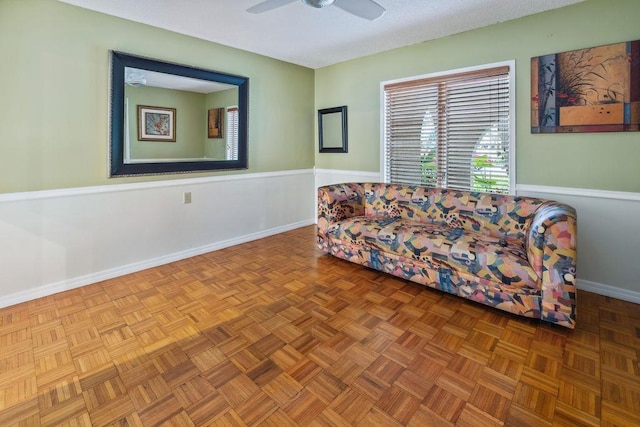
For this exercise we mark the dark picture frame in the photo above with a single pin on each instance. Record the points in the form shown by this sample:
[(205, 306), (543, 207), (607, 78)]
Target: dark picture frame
[(332, 130)]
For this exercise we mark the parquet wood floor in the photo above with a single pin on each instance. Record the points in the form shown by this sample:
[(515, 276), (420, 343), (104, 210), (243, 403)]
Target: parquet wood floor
[(274, 333)]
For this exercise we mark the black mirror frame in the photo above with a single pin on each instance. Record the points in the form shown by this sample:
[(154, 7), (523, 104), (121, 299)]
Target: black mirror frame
[(343, 114), (118, 167)]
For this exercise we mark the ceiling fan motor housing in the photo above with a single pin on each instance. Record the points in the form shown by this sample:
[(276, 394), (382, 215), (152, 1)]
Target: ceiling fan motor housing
[(318, 3)]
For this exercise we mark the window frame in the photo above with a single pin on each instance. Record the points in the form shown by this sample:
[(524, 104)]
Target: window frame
[(511, 64), (231, 130)]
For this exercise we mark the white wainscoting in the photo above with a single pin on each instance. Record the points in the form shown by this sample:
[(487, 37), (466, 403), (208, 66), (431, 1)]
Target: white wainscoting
[(608, 238), (63, 239)]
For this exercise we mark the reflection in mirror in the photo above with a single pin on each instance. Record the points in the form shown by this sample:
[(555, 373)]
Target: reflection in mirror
[(332, 129), (193, 99), (173, 118)]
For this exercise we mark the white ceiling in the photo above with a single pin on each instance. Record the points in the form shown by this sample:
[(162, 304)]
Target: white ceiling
[(172, 81), (319, 37)]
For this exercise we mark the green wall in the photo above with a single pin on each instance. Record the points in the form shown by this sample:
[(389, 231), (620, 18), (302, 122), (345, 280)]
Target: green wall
[(54, 92), (54, 95), (607, 161)]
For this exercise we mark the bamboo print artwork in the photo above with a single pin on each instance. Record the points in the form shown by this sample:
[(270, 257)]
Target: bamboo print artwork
[(588, 90)]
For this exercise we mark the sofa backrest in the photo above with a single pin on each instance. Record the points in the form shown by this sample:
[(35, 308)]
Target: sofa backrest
[(499, 215)]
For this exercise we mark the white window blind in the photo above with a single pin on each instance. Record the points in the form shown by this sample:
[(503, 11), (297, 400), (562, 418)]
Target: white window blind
[(450, 131), (232, 133)]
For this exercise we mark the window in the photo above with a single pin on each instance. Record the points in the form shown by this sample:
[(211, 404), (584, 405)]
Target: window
[(451, 130), (232, 133)]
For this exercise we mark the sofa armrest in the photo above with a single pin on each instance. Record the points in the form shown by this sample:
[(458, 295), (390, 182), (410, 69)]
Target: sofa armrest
[(551, 249), (337, 202)]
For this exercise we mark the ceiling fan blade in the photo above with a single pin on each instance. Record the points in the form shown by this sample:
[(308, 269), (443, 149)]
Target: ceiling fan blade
[(268, 5), (367, 9)]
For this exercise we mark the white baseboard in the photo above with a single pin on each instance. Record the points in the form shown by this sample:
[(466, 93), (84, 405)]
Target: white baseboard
[(609, 291), (77, 282)]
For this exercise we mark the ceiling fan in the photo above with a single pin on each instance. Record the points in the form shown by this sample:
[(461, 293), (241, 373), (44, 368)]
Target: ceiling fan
[(367, 9)]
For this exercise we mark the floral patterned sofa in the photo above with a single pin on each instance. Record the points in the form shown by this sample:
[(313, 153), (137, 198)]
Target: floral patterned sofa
[(514, 253)]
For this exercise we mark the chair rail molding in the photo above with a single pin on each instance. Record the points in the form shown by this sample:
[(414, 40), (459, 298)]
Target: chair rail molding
[(335, 176), (582, 192)]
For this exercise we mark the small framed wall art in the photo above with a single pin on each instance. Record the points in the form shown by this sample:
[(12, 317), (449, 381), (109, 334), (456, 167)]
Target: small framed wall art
[(156, 124), (216, 123)]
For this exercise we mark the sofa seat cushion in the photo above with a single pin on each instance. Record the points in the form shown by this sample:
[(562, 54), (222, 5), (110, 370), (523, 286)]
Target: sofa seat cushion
[(462, 251)]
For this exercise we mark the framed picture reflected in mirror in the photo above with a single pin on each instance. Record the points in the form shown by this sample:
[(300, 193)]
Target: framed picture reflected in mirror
[(215, 122), (156, 124)]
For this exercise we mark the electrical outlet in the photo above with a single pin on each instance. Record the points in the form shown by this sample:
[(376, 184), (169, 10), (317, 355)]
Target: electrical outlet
[(186, 197)]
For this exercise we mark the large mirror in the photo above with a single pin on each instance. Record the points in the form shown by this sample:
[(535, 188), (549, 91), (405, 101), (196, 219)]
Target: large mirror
[(171, 118)]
